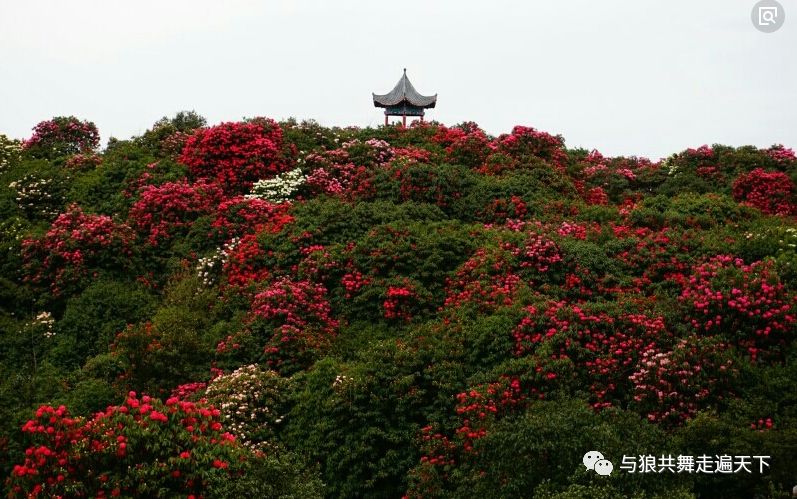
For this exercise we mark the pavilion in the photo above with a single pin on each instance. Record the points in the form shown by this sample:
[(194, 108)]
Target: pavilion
[(404, 101)]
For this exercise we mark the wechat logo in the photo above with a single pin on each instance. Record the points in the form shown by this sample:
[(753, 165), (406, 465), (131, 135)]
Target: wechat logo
[(595, 461)]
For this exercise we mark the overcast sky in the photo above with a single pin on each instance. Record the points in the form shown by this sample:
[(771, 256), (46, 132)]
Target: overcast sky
[(626, 77)]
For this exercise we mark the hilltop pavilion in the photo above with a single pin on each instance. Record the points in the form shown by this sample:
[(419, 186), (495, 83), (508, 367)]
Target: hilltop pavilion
[(404, 101)]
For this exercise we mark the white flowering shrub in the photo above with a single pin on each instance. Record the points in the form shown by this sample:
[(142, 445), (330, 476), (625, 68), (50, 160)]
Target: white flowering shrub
[(280, 188), (38, 195), (252, 403), (9, 152), (209, 268)]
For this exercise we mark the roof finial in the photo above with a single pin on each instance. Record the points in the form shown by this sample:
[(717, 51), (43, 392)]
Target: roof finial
[(405, 70)]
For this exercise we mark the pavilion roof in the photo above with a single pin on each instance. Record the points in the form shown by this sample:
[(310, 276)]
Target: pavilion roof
[(404, 93)]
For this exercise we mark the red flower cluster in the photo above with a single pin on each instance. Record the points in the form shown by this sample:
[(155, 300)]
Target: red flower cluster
[(597, 196), (485, 280), (398, 303), (238, 216), (773, 193), (465, 144), (526, 142), (745, 303), (478, 406), (296, 318), (141, 445), (75, 247), (601, 345), (235, 155), (537, 252), (165, 210), (501, 209), (243, 264)]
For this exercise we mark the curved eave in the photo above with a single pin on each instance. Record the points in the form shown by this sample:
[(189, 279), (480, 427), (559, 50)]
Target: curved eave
[(388, 100)]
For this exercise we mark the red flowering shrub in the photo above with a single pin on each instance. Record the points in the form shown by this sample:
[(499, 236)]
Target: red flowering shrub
[(243, 264), (656, 256), (501, 209), (412, 154), (465, 144), (526, 142), (598, 196), (484, 281), (295, 319), (238, 216), (492, 277), (140, 448), (75, 248), (774, 193), (62, 136), (602, 346), (236, 154), (163, 211), (745, 304), (398, 302)]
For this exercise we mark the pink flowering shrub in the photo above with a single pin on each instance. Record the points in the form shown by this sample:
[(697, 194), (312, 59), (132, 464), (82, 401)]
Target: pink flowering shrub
[(745, 304), (62, 136), (164, 211), (81, 162), (774, 193), (77, 246), (235, 155), (781, 154), (334, 173), (671, 386)]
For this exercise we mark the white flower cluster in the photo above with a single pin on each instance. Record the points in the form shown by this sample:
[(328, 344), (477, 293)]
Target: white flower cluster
[(9, 151), (34, 194), (249, 399), (208, 268), (12, 229), (43, 323), (340, 379), (280, 188)]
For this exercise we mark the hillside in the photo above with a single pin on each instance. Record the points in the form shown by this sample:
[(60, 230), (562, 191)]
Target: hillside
[(287, 310)]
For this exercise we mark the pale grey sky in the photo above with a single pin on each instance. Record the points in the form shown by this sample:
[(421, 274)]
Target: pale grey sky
[(626, 77)]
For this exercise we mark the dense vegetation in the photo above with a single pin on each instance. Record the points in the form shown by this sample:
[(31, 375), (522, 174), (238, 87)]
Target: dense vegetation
[(287, 310)]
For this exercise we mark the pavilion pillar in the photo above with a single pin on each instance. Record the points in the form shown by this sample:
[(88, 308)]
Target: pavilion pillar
[(386, 119), (404, 120)]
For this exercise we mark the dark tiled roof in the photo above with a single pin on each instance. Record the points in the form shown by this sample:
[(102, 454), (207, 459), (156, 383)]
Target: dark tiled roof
[(404, 92)]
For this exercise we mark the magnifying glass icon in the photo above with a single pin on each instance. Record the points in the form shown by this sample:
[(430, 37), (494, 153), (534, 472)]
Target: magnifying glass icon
[(767, 15)]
